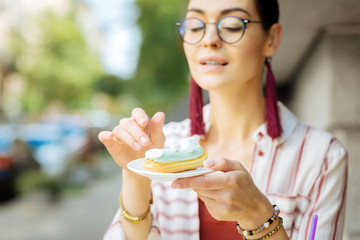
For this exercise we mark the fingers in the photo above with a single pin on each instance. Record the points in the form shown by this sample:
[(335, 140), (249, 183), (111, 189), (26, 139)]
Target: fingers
[(204, 182), (223, 165), (229, 173), (139, 115), (129, 131), (207, 200), (110, 142), (105, 137), (212, 181), (137, 130), (156, 127), (125, 137), (208, 194)]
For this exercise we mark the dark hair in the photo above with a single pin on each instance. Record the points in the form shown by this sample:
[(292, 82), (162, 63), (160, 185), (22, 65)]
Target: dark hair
[(268, 11)]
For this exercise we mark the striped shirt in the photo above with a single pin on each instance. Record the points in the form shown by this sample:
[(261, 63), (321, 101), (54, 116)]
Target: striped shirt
[(304, 172)]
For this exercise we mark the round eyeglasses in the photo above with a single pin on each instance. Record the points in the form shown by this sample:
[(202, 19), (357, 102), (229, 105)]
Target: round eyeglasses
[(230, 29)]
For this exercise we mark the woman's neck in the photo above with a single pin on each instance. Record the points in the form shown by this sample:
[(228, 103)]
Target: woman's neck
[(235, 114)]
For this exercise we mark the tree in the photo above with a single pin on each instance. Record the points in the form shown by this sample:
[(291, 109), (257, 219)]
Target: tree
[(162, 75), (58, 64)]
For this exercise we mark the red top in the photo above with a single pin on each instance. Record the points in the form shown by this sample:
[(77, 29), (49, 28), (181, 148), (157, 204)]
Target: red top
[(213, 229)]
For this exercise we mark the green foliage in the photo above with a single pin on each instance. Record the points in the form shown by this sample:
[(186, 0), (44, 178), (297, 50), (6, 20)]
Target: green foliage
[(162, 76), (110, 84), (59, 65)]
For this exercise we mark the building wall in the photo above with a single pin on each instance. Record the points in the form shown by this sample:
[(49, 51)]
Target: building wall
[(327, 96)]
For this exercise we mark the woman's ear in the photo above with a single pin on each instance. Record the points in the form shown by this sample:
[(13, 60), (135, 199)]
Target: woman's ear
[(273, 40)]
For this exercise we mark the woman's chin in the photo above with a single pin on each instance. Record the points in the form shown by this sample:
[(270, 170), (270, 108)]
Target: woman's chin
[(212, 82)]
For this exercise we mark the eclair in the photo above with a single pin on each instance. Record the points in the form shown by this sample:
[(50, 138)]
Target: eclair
[(179, 157)]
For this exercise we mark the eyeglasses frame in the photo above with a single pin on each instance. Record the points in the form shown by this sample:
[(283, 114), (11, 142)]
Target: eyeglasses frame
[(244, 21)]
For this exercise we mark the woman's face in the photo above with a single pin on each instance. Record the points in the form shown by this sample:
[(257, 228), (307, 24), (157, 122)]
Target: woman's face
[(240, 62)]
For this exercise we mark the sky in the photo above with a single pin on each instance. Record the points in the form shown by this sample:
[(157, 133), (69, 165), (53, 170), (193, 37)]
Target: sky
[(121, 37), (116, 19)]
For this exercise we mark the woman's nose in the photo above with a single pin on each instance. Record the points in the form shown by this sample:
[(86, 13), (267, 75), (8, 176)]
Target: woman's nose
[(211, 38)]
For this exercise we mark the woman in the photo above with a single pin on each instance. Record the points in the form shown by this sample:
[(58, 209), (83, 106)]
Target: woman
[(261, 153)]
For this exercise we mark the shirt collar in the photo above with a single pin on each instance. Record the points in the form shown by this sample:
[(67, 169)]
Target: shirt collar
[(287, 119)]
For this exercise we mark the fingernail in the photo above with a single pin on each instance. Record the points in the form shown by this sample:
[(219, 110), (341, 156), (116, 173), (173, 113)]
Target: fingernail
[(176, 185), (142, 120), (143, 140), (209, 163), (136, 145), (109, 135)]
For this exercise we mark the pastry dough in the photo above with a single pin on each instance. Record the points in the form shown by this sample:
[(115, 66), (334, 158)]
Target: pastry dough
[(174, 166), (179, 157)]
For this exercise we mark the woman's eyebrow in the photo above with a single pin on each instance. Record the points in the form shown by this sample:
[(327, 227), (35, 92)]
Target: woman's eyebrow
[(226, 11), (223, 12), (195, 10)]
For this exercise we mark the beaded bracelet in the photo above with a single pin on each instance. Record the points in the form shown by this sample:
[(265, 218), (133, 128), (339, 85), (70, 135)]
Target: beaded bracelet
[(129, 217), (272, 232), (246, 233)]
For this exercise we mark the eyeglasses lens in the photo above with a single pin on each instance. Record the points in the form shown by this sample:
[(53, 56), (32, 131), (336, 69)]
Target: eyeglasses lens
[(230, 29), (192, 30)]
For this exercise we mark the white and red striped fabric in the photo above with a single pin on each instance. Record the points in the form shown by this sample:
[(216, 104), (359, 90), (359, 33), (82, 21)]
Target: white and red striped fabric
[(304, 172)]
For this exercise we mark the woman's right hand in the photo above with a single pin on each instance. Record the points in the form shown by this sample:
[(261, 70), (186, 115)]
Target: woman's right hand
[(126, 142), (133, 136)]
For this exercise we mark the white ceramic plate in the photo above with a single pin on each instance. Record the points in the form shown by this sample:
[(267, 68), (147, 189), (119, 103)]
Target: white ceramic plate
[(137, 167)]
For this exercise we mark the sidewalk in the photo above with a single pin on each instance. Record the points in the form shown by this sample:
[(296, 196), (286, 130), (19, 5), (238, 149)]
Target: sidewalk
[(83, 216)]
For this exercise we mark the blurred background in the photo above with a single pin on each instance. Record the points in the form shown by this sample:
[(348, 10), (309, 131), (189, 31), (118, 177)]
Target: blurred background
[(71, 68)]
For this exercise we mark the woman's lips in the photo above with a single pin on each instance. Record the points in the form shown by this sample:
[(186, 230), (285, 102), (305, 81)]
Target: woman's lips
[(211, 68), (213, 63)]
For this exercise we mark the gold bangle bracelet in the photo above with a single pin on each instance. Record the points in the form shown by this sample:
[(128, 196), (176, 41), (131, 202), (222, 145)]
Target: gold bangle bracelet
[(270, 233), (129, 217)]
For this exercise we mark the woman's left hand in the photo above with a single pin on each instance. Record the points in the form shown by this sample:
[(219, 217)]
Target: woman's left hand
[(230, 193)]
